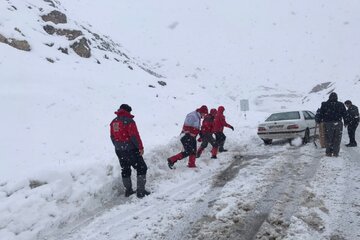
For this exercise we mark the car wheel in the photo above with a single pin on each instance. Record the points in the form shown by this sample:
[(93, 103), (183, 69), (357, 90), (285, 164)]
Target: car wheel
[(306, 138), (267, 141)]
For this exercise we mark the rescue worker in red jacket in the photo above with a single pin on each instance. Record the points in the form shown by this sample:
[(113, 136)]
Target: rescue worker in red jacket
[(129, 149), (206, 134), (219, 124), (191, 128)]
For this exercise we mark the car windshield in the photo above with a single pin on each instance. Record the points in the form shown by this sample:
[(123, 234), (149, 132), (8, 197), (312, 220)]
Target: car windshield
[(283, 116)]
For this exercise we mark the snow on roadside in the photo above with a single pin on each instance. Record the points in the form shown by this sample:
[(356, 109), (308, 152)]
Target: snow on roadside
[(35, 208), (53, 198)]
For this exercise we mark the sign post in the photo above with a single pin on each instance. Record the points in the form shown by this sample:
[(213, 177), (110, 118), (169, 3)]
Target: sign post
[(244, 106)]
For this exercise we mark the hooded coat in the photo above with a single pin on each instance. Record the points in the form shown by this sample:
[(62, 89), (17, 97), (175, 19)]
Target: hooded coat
[(219, 121), (208, 123), (192, 121), (352, 117), (124, 133), (332, 110)]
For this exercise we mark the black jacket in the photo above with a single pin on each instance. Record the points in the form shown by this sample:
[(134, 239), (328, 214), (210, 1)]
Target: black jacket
[(332, 111), (352, 117)]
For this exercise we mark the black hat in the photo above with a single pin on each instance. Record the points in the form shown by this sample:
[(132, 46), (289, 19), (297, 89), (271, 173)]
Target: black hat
[(333, 96), (125, 107), (348, 102)]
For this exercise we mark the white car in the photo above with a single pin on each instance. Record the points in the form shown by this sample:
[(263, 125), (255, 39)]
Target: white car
[(288, 125)]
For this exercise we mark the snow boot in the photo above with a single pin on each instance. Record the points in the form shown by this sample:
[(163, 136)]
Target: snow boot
[(351, 145), (222, 149), (199, 151), (140, 191), (170, 164), (172, 160), (191, 163), (128, 187), (214, 151)]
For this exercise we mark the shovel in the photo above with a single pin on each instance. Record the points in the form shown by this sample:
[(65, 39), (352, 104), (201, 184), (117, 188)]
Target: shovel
[(316, 126)]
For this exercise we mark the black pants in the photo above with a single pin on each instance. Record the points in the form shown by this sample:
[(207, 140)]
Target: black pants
[(189, 143), (220, 139), (351, 132), (333, 133), (206, 139), (130, 159)]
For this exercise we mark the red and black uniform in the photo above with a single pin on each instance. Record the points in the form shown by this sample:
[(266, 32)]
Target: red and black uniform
[(127, 142), (219, 124), (191, 128), (206, 134)]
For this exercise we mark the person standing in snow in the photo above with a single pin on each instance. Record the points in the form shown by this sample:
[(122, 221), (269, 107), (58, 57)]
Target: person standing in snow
[(218, 129), (332, 112), (206, 134), (352, 122), (191, 128), (129, 149)]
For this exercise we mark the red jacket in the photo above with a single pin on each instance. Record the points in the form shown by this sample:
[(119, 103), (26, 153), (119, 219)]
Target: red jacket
[(219, 121), (124, 133), (208, 122)]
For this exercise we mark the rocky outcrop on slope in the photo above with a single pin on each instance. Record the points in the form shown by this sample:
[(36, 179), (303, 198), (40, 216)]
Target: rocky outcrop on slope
[(15, 43), (68, 33), (320, 87), (48, 24), (82, 48), (55, 16)]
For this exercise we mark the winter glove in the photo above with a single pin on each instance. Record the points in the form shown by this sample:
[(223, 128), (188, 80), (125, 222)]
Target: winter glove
[(232, 128)]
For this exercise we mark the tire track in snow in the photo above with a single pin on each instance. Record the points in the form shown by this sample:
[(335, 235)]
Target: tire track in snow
[(275, 208), (200, 209)]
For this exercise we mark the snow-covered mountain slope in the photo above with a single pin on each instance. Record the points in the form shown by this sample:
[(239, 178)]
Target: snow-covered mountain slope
[(163, 58)]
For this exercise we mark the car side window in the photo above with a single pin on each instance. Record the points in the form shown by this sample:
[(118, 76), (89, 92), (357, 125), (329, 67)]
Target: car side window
[(307, 115), (311, 114)]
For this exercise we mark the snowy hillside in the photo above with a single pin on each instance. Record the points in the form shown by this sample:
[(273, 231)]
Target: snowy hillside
[(66, 66)]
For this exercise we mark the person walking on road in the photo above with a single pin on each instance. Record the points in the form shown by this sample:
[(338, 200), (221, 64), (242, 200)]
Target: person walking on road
[(191, 129), (206, 134), (332, 112), (352, 122), (219, 124), (129, 149)]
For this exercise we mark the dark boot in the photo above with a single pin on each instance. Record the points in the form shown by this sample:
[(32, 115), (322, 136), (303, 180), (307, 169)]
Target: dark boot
[(199, 151), (128, 187), (191, 163), (140, 191), (172, 160), (222, 149), (170, 164)]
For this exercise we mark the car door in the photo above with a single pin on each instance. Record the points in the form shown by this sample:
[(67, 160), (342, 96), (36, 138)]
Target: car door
[(310, 121)]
